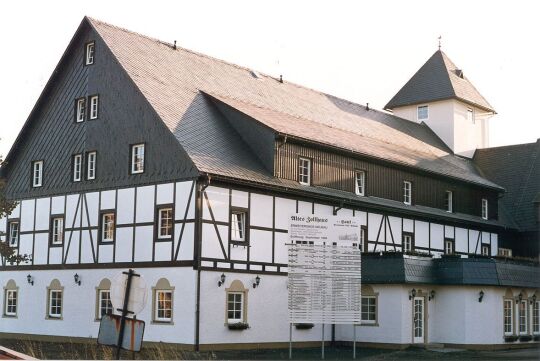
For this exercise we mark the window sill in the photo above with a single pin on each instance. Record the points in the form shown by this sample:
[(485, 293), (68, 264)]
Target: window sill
[(238, 326), (369, 324), (53, 318), (9, 316), (162, 323)]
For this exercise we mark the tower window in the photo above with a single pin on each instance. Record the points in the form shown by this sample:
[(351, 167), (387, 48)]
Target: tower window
[(423, 112)]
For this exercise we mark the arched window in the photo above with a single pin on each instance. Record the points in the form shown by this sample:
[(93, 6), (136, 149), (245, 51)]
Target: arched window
[(236, 303), (162, 302), (11, 299), (55, 300), (103, 299)]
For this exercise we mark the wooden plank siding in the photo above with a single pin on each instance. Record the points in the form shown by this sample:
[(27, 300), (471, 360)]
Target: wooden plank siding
[(337, 171)]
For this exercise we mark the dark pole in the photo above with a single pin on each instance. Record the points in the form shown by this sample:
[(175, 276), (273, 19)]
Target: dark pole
[(125, 311)]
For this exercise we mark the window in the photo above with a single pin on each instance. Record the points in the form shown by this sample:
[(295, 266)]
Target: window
[(55, 303), (508, 317), (536, 317), (235, 302), (91, 165), (94, 106), (505, 252), (165, 223), (238, 225), (11, 303), (423, 113), (485, 250), (470, 116), (104, 303), (163, 306), (448, 246), (13, 239), (89, 54), (80, 110), (57, 231), (304, 171), (137, 158), (107, 227), (407, 192), (360, 182), (484, 208), (77, 167), (37, 173), (408, 243), (363, 239), (522, 317), (448, 201), (369, 309)]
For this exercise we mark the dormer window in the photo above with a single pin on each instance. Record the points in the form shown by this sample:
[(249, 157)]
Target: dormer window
[(89, 53), (423, 112), (304, 171), (94, 106), (80, 110), (470, 115), (407, 192), (360, 183)]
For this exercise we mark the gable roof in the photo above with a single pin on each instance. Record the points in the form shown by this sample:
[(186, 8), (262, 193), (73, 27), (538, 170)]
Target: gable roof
[(172, 80), (438, 79), (517, 168)]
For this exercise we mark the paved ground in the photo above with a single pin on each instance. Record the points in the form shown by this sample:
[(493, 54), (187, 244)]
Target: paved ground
[(49, 350)]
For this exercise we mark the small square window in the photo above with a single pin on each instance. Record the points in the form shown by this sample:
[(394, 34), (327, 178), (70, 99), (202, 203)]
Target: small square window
[(238, 225), (91, 160), (448, 246), (423, 112), (37, 173), (94, 105), (89, 53), (80, 110), (407, 192), (360, 182), (13, 236), (77, 167), (165, 223), (304, 171), (57, 231), (485, 250), (137, 158), (107, 227)]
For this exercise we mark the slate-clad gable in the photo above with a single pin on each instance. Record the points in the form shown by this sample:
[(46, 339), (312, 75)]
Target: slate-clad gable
[(51, 133)]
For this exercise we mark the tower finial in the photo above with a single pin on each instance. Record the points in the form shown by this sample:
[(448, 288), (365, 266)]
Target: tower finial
[(440, 37)]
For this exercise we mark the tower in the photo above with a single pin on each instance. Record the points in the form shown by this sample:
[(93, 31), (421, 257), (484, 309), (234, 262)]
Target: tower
[(442, 97)]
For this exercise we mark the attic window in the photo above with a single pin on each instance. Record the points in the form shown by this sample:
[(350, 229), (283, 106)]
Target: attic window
[(89, 53), (423, 112)]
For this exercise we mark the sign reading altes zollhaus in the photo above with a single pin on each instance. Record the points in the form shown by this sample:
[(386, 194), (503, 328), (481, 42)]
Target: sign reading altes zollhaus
[(324, 270)]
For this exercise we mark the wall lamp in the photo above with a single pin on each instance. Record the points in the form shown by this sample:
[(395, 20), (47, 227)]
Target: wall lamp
[(77, 279), (30, 279), (412, 293), (431, 295), (221, 280), (480, 296), (257, 282), (533, 299), (520, 297)]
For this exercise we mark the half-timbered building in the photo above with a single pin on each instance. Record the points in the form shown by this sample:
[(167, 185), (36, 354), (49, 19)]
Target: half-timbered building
[(140, 154)]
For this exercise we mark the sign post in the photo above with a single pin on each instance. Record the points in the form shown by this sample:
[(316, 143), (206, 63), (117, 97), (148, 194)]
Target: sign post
[(324, 272)]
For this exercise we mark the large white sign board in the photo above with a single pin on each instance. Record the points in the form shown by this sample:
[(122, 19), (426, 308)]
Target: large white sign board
[(324, 270)]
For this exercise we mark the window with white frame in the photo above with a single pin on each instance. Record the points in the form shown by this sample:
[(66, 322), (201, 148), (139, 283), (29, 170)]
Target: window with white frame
[(448, 201), (94, 104), (163, 309), (55, 303), (91, 159), (522, 317), (484, 208), (408, 242), (238, 225), (165, 222), (13, 236), (536, 317), (105, 306), (304, 171), (470, 115), (235, 305), (11, 303), (369, 309), (37, 173), (508, 316), (89, 54), (137, 158), (80, 110), (485, 250), (505, 252), (448, 246), (57, 234), (423, 112), (407, 192), (77, 167), (107, 227), (360, 183)]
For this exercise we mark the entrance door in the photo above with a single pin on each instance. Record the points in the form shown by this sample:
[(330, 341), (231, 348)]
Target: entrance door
[(418, 320)]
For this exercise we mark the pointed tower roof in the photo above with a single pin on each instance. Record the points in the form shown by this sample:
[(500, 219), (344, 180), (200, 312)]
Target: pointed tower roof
[(438, 79)]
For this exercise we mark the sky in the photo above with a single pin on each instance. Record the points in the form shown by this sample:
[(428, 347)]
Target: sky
[(363, 51)]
